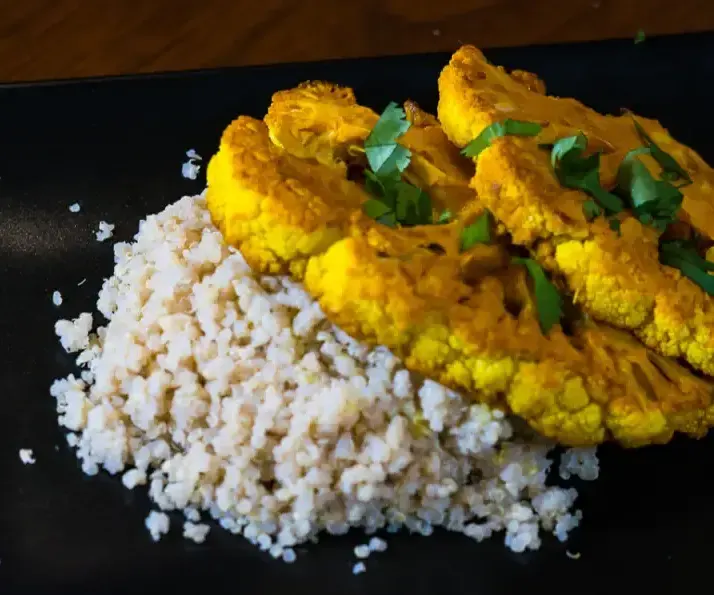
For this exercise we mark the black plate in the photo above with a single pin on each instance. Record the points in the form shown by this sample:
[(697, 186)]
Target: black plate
[(117, 146)]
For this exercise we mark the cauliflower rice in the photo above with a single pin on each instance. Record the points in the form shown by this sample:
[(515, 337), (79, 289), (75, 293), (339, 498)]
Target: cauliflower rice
[(232, 395)]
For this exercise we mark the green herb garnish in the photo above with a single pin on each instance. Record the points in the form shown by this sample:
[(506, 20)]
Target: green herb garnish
[(384, 155), (498, 130), (671, 170), (654, 202), (413, 205), (683, 256), (640, 36), (445, 217), (615, 225), (573, 170), (479, 232), (591, 209), (395, 202), (548, 300)]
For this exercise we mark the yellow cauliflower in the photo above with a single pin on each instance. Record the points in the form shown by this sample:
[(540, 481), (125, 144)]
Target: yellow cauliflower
[(615, 278), (466, 319)]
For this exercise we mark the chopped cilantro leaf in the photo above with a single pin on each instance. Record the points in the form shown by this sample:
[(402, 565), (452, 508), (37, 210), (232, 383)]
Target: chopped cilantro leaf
[(375, 208), (582, 173), (384, 155), (615, 225), (395, 200), (591, 210), (683, 256), (498, 130), (671, 170), (413, 205), (640, 36), (654, 202), (565, 146), (445, 216), (479, 232), (548, 300)]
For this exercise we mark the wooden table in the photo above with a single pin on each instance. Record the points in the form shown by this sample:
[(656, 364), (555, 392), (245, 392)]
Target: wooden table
[(46, 39)]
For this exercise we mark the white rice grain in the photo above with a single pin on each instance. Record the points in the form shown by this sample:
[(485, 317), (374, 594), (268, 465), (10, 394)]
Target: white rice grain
[(57, 298), (27, 456), (158, 524), (196, 532), (106, 231), (190, 169), (580, 462), (377, 545)]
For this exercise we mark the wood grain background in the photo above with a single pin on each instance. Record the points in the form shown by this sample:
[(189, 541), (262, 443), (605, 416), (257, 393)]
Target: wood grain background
[(47, 39)]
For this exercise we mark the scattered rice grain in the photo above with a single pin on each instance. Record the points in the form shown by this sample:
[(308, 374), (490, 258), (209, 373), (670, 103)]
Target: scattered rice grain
[(106, 231), (195, 531), (158, 524), (377, 545), (27, 456)]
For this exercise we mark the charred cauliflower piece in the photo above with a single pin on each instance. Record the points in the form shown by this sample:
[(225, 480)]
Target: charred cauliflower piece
[(466, 319), (616, 278)]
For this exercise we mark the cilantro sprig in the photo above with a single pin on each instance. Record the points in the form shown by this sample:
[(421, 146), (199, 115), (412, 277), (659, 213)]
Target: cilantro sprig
[(549, 302), (496, 130), (395, 202)]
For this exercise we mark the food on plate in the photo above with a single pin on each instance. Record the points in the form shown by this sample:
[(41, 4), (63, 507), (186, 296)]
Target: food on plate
[(628, 232), (348, 328), (296, 194)]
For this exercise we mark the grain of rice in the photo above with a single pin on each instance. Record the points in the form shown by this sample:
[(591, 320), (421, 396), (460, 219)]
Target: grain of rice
[(289, 555), (158, 524), (196, 532), (191, 168), (232, 393), (377, 545), (359, 568), (74, 208), (580, 462), (106, 231), (57, 298), (27, 456)]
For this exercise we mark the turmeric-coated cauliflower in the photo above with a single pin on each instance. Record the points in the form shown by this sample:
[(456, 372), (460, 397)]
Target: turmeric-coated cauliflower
[(282, 193), (615, 276)]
